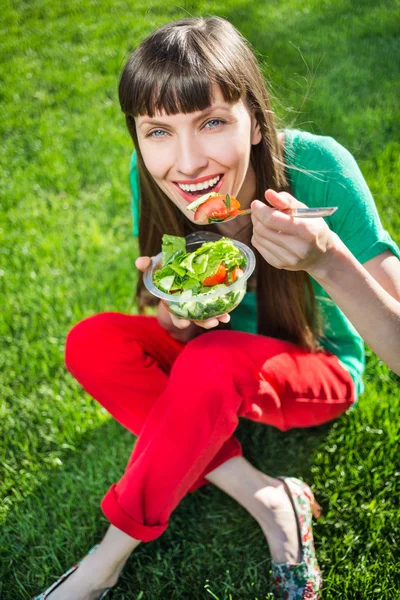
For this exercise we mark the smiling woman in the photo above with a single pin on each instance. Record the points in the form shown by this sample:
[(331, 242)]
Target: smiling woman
[(202, 151), (204, 105), (199, 116)]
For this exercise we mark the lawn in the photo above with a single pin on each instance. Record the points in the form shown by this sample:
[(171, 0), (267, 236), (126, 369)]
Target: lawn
[(66, 252)]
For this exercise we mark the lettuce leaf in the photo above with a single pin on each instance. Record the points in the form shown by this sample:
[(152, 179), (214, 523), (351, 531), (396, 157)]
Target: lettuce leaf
[(191, 268), (172, 245)]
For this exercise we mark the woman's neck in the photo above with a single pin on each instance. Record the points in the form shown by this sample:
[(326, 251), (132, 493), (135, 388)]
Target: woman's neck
[(240, 229)]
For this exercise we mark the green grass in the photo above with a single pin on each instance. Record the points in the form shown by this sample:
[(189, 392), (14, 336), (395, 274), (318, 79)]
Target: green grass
[(66, 252)]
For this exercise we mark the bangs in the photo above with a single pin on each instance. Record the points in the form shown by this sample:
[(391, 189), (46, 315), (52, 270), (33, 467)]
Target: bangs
[(178, 75), (177, 93)]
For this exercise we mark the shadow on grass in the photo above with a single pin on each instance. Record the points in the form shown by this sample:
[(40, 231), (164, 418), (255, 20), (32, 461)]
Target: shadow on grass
[(209, 537)]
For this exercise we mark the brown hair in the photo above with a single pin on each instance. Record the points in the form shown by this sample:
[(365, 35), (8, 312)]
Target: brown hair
[(174, 70)]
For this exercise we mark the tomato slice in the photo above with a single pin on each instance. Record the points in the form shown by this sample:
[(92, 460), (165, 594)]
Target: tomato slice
[(215, 209), (235, 212), (218, 277), (233, 275), (212, 209), (234, 204)]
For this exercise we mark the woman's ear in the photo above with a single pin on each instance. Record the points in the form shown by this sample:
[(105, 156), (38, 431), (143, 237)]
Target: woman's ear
[(255, 131)]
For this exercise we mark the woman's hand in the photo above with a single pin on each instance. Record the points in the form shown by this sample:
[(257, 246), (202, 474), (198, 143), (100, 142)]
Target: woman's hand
[(165, 318), (287, 242)]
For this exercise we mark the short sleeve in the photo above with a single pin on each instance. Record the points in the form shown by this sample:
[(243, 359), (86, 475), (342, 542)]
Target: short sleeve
[(330, 176), (135, 191)]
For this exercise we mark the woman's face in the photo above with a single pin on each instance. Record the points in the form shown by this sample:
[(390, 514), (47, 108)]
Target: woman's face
[(191, 154)]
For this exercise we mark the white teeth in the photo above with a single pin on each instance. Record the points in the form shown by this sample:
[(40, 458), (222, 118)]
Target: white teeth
[(194, 187)]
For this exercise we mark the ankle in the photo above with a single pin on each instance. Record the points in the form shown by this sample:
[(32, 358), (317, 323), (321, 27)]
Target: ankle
[(114, 550), (277, 519), (102, 570), (261, 495)]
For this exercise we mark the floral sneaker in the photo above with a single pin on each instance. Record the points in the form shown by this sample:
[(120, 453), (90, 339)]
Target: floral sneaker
[(302, 581), (46, 594)]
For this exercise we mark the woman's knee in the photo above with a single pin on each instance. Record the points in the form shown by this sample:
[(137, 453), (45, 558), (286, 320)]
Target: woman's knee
[(209, 356), (217, 351)]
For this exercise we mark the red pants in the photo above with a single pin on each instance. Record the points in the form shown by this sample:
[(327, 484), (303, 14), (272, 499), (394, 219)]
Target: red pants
[(184, 402)]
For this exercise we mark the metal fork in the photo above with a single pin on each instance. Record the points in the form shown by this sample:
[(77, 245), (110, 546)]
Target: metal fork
[(304, 213)]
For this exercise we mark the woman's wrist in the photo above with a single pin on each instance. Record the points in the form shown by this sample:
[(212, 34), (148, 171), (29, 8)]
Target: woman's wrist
[(164, 318), (336, 258)]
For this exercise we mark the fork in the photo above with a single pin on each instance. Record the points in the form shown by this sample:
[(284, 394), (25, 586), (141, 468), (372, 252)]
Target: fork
[(304, 213)]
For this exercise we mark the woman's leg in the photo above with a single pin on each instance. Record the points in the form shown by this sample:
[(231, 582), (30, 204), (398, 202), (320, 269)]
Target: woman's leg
[(266, 500), (217, 378), (263, 497), (98, 570), (123, 361), (300, 401), (246, 391)]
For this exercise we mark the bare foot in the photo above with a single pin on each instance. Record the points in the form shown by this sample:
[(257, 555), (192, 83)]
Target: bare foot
[(278, 522), (265, 498)]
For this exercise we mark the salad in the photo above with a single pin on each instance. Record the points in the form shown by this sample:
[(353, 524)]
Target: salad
[(201, 279), (214, 208)]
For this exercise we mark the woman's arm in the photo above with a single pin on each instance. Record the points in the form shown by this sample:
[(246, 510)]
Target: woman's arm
[(373, 311), (368, 295)]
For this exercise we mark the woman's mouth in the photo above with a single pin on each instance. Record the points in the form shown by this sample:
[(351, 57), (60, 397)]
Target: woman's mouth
[(191, 191)]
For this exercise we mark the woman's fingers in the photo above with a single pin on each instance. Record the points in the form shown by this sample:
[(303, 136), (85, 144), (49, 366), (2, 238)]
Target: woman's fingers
[(211, 323), (261, 214), (288, 242), (207, 324), (277, 256), (282, 200), (280, 241), (142, 262), (273, 217), (225, 318), (268, 221), (180, 323)]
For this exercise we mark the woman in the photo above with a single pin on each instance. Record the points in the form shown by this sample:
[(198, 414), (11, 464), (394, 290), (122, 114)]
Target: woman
[(199, 116)]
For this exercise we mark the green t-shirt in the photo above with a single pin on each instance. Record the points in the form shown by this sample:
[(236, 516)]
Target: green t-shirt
[(321, 173)]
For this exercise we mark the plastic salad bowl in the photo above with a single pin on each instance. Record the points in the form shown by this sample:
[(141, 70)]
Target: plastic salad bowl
[(208, 302)]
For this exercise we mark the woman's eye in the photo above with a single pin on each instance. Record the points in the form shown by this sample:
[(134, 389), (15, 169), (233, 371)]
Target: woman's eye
[(213, 123), (156, 133)]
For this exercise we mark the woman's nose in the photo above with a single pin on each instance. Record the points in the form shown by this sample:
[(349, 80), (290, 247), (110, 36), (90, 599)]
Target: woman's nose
[(190, 158)]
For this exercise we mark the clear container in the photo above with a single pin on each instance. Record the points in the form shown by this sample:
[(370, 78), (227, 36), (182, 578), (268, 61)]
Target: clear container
[(204, 306)]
